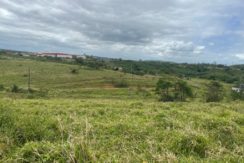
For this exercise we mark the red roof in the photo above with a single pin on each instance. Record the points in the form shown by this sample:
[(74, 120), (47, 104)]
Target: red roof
[(56, 54)]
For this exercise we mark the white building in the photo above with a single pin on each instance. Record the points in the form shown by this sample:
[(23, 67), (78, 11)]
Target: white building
[(56, 55), (238, 89)]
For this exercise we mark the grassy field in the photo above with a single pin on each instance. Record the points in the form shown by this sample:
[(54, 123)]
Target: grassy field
[(120, 131), (59, 82), (85, 117)]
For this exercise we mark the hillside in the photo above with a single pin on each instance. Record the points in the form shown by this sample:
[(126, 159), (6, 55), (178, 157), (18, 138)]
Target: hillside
[(56, 80), (229, 74), (78, 113)]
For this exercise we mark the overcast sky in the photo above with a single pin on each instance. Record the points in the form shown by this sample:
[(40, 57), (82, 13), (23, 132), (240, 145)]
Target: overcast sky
[(191, 31)]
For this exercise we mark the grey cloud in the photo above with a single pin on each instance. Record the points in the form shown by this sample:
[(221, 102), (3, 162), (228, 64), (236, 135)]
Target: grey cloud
[(122, 27)]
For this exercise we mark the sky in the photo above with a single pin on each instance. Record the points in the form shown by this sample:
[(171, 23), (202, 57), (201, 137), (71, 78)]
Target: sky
[(192, 31)]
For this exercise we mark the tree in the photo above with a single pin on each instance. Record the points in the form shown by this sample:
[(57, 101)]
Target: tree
[(237, 95), (15, 89), (1, 87), (162, 89), (74, 71), (215, 92), (182, 91)]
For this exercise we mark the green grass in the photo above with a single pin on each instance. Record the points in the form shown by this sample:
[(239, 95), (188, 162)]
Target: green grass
[(121, 131), (86, 117), (55, 80), (57, 75)]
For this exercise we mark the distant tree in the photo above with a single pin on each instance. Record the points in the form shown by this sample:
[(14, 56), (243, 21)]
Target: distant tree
[(237, 95), (74, 71), (15, 89), (162, 89), (79, 61), (1, 87), (215, 92), (121, 84), (182, 90)]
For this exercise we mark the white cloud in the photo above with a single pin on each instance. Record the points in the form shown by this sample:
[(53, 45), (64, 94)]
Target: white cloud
[(240, 56), (157, 27), (176, 48), (198, 49), (5, 14)]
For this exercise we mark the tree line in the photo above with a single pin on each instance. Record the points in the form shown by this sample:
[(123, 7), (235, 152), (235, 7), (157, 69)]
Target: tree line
[(180, 91)]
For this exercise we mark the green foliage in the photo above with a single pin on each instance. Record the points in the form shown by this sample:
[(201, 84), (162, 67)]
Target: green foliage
[(2, 87), (178, 91), (120, 83), (182, 91), (162, 88), (237, 95), (74, 71), (15, 89), (215, 92), (228, 74), (91, 62)]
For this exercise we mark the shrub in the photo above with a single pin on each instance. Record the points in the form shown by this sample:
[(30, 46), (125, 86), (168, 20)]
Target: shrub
[(215, 92), (121, 84), (162, 89), (74, 71), (182, 91), (170, 92), (237, 95), (2, 87), (15, 89)]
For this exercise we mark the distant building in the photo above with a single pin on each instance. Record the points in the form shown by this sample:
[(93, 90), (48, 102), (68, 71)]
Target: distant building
[(61, 55), (238, 89), (118, 69), (78, 56), (56, 55)]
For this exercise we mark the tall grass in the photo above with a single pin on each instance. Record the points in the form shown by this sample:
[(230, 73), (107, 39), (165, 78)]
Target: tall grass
[(120, 131)]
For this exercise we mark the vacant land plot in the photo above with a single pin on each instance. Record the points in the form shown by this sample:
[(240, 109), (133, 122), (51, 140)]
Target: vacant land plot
[(120, 131)]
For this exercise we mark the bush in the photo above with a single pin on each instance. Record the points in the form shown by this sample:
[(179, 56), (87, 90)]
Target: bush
[(121, 84), (215, 92), (162, 89), (74, 71), (1, 87), (15, 89), (182, 91), (237, 95), (178, 91)]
